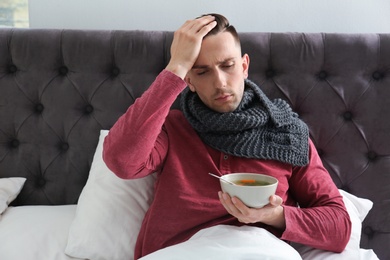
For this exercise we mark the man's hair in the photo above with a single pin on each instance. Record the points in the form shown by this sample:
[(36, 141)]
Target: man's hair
[(223, 25)]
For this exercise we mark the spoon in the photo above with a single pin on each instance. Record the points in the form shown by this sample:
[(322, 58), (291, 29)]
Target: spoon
[(216, 176)]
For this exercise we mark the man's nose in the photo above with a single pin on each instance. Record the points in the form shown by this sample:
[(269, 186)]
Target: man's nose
[(219, 79)]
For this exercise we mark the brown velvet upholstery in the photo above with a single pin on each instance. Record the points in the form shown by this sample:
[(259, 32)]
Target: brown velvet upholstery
[(58, 88)]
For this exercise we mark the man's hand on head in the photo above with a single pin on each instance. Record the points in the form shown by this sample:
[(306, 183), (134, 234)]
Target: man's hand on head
[(187, 42)]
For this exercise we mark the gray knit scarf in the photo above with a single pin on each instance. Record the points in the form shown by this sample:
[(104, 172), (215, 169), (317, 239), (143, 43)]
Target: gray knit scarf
[(258, 128)]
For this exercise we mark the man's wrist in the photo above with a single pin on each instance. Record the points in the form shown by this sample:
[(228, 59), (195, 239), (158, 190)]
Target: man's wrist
[(277, 219), (179, 70)]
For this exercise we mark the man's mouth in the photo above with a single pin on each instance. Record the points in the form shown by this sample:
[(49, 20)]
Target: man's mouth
[(223, 97)]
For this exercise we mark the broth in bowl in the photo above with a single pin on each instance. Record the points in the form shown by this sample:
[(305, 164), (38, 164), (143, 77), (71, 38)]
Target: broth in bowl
[(251, 182)]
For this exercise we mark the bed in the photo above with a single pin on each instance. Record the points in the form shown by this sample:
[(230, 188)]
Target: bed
[(62, 90)]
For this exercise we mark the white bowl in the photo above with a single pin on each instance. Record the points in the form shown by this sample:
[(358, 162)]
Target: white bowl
[(252, 196)]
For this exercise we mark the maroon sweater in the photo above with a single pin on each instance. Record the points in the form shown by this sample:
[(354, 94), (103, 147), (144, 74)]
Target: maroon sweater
[(149, 138)]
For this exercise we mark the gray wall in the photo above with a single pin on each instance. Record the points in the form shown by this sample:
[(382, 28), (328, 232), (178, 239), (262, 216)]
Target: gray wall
[(350, 16)]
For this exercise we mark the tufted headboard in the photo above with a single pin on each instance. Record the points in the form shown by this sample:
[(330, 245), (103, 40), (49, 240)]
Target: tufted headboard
[(58, 88)]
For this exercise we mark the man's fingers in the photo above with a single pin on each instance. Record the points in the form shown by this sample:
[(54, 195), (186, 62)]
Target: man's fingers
[(275, 200), (207, 24), (201, 25), (207, 28)]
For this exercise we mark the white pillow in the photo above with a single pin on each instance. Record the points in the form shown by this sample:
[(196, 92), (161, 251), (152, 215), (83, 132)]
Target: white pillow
[(35, 232), (9, 189), (109, 213), (358, 209)]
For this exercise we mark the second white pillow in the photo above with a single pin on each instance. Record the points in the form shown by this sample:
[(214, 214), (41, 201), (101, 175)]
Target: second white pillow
[(109, 213)]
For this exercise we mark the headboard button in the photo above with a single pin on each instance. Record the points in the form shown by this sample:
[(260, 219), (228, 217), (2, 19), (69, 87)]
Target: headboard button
[(322, 75), (14, 143), (270, 73), (115, 71), (368, 231), (12, 68), (347, 116), (371, 155), (88, 109), (64, 146), (63, 70), (377, 75), (40, 182), (39, 108)]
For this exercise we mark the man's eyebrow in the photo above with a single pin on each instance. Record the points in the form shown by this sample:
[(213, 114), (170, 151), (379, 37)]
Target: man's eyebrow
[(206, 66), (200, 67)]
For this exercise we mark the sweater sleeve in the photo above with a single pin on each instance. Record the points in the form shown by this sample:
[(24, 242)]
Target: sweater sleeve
[(137, 143), (321, 220)]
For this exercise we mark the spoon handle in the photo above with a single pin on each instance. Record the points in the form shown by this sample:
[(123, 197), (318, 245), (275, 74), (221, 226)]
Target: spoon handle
[(216, 176)]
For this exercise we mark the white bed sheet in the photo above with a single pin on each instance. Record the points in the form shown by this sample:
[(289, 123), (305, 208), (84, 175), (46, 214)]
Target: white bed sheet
[(245, 243), (35, 232), (41, 233)]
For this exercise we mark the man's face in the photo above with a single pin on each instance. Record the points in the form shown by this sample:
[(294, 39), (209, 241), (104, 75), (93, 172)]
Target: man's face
[(219, 72)]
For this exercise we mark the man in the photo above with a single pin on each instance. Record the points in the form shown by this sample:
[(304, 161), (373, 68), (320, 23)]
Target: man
[(226, 125)]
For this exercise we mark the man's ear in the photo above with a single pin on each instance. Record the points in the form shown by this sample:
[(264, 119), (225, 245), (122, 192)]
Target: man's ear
[(245, 64), (187, 79)]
